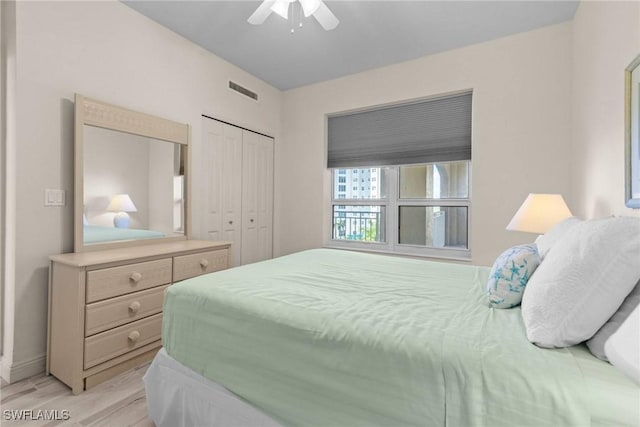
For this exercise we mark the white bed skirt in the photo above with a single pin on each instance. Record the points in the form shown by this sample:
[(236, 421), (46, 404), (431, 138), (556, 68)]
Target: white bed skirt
[(179, 397)]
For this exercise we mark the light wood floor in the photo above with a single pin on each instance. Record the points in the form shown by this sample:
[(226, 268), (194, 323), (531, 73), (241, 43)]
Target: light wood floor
[(118, 402)]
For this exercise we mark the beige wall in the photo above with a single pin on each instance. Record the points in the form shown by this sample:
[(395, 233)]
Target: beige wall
[(2, 162), (521, 132), (7, 230), (107, 51), (606, 37), (529, 90)]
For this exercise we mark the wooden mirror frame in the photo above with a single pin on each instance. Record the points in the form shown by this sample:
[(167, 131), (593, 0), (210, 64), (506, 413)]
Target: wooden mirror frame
[(632, 134), (100, 114)]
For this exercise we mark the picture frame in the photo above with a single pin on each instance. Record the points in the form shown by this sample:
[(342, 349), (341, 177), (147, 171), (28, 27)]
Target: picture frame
[(632, 134)]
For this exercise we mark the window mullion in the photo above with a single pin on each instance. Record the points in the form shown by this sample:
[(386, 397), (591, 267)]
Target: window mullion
[(392, 208), (433, 202)]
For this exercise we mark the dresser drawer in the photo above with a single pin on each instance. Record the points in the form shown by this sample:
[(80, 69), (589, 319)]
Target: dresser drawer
[(110, 313), (116, 281), (107, 345), (186, 266)]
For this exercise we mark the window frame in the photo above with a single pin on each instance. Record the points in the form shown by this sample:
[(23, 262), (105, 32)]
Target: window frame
[(392, 204)]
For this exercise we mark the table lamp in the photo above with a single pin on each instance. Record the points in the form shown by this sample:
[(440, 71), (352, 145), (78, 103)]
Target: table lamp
[(122, 204), (539, 213)]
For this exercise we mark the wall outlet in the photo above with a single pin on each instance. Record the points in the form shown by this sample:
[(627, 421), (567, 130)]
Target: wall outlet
[(54, 197)]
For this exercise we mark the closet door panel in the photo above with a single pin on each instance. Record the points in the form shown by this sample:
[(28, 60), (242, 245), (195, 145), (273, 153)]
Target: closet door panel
[(222, 161), (211, 141), (250, 201), (265, 199), (232, 191)]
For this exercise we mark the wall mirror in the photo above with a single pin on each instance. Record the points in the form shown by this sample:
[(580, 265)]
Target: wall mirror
[(632, 134), (131, 177)]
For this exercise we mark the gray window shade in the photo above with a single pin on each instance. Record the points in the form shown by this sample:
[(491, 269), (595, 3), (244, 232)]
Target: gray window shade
[(437, 130)]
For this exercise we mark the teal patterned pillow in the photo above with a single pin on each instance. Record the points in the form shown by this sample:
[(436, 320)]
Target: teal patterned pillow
[(510, 274)]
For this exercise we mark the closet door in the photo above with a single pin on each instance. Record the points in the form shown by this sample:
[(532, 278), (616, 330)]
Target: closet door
[(222, 165), (257, 197)]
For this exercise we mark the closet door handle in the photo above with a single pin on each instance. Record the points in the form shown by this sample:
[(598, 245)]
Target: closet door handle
[(204, 263), (134, 307), (135, 277), (251, 220), (133, 337), (230, 222)]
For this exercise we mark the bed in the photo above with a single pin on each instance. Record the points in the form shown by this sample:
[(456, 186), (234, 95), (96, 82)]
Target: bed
[(338, 338), (100, 234)]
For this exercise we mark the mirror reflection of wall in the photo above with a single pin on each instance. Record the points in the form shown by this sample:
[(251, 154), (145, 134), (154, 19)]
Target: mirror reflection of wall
[(145, 169)]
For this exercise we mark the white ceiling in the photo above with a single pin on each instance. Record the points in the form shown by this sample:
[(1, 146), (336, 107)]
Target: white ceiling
[(371, 34)]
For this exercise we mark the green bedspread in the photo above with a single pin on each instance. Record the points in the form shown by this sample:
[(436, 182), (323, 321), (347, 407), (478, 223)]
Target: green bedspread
[(100, 234), (338, 338)]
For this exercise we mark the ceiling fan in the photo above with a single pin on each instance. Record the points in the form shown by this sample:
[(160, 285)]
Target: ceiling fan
[(317, 8)]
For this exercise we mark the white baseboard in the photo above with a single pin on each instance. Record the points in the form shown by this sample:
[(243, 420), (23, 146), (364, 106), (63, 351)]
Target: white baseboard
[(25, 369)]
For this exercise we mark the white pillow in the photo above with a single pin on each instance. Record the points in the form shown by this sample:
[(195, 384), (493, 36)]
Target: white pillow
[(582, 281), (596, 343), (623, 348), (546, 241)]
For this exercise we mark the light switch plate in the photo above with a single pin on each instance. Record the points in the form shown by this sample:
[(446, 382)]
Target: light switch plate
[(54, 197)]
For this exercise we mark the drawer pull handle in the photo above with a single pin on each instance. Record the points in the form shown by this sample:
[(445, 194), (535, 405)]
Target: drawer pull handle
[(133, 336), (135, 277), (134, 307), (204, 263)]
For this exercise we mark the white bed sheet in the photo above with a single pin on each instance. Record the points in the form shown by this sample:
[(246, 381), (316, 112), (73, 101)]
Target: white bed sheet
[(179, 397)]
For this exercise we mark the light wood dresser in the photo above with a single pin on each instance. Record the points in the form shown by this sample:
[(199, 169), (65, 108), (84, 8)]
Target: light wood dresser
[(105, 307)]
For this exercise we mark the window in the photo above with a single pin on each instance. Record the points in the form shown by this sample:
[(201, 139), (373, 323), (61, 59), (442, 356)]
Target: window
[(419, 203), (342, 188), (414, 209), (342, 179), (362, 219)]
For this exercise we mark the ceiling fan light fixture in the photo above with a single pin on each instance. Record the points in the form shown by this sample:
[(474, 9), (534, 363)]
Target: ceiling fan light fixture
[(309, 7), (317, 8)]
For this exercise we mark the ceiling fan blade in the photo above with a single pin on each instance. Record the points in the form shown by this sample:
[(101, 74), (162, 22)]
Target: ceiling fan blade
[(261, 13), (281, 7), (309, 7), (325, 17)]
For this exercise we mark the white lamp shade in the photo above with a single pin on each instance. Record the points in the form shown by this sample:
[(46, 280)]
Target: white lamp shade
[(539, 213), (121, 203)]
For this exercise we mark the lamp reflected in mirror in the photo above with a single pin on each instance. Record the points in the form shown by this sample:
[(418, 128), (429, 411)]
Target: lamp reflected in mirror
[(122, 204)]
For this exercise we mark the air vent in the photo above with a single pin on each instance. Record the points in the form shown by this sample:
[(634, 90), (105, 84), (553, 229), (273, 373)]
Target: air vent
[(243, 90)]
